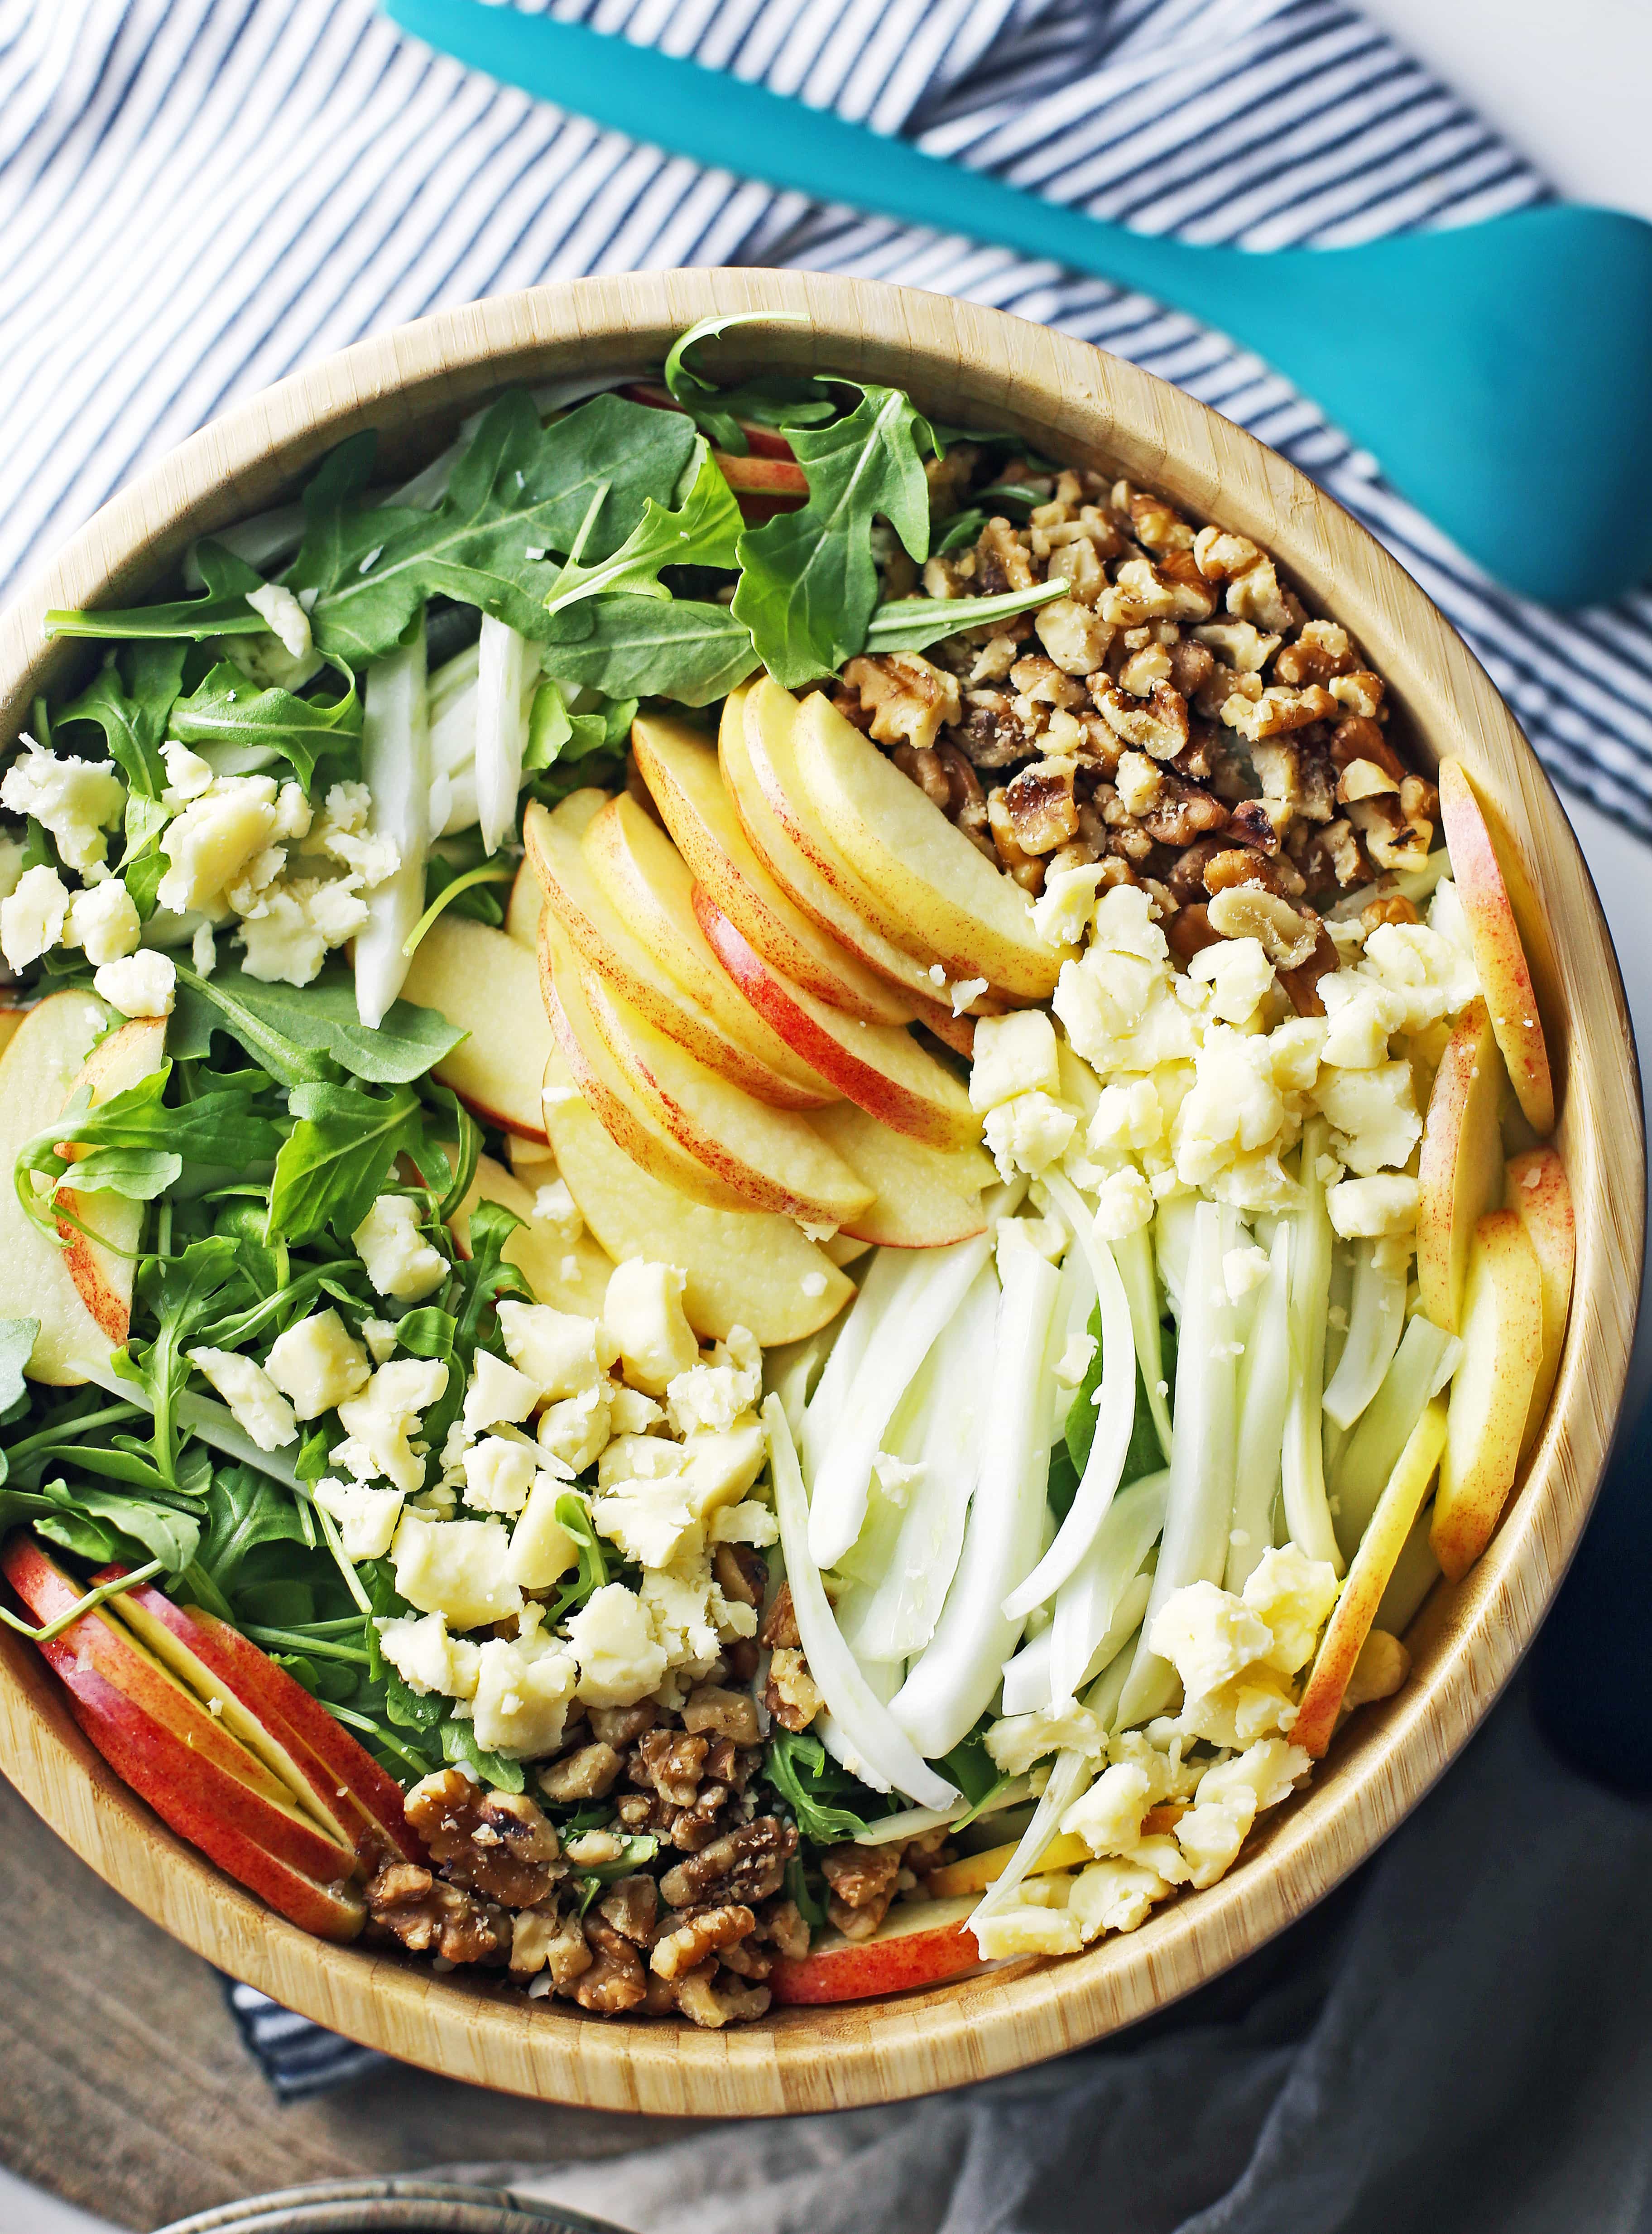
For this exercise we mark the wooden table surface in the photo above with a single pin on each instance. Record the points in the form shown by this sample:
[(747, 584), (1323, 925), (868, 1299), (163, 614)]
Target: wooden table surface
[(126, 2088)]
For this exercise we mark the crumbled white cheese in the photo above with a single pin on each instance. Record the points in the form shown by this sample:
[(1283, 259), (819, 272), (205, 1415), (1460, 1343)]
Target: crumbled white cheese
[(379, 1421), (1014, 1054), (620, 1661), (1017, 1742), (1026, 1930), (1294, 1596), (1243, 1271), (214, 839), (523, 1691), (367, 1518), (1239, 975), (257, 1407), (103, 922), (643, 1316), (319, 1365), (427, 1659), (497, 1392), (32, 916), (1373, 1113), (554, 1207), (714, 1394), (1124, 1204), (399, 1262), (561, 1353), (574, 1431), (380, 1335), (140, 984), (541, 1549), (746, 1523), (1108, 1816), (1062, 910), (1029, 1131), (1378, 1208), (76, 800), (285, 617), (187, 776), (458, 1568), (499, 1474)]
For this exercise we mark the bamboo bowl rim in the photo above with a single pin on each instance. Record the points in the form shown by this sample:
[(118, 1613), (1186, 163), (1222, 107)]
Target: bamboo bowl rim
[(977, 366)]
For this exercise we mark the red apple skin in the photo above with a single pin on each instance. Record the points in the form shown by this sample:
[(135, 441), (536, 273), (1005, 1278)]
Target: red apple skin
[(148, 1709), (889, 1962), (197, 1801), (347, 1782), (832, 1053)]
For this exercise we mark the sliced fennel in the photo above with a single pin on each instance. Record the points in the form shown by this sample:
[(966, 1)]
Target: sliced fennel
[(790, 1370), (508, 661), (1173, 1243), (1134, 1258), (1376, 1320), (856, 1331), (912, 1822), (1089, 1608), (1264, 1399), (930, 1293), (1200, 1496), (1028, 1682), (874, 1746), (1308, 1512), (1115, 1401), (1424, 1362), (952, 1682), (396, 767), (898, 1616)]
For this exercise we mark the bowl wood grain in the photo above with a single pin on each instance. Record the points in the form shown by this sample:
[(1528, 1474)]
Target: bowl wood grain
[(974, 366)]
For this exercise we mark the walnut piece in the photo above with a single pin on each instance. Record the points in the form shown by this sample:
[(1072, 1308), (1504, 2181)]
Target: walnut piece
[(791, 1695), (589, 1773), (498, 1844), (615, 1981), (908, 697), (745, 1865), (430, 1916), (862, 1881), (703, 1931)]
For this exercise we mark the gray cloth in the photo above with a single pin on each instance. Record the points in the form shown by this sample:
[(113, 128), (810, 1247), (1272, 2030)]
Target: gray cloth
[(1458, 2042)]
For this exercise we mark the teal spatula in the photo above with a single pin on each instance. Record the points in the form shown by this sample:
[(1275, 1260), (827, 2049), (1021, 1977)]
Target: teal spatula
[(1500, 371)]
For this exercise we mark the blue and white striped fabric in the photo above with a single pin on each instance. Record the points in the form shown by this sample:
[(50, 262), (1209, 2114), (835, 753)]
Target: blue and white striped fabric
[(197, 196)]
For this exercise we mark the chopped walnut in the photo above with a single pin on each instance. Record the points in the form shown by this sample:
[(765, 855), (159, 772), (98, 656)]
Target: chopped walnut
[(1238, 865), (498, 1844), (1157, 726), (1388, 907), (740, 1573), (591, 1773), (1302, 984), (746, 1865), (430, 1916), (1075, 638), (779, 1622), (623, 1726), (541, 1940), (1321, 651), (908, 697), (711, 1999), (862, 1881), (615, 1981), (671, 1761), (991, 733), (719, 1714), (699, 1933), (1248, 911), (1042, 811), (1001, 561), (632, 1906), (781, 1921), (1183, 812), (791, 1695)]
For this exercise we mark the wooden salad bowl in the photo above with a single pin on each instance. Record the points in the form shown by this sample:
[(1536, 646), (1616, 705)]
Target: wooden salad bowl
[(973, 366)]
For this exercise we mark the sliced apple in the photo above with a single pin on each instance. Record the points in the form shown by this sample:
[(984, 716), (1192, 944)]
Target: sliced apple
[(918, 878), (1536, 1190), (605, 942), (1499, 954), (682, 772), (592, 1072), (272, 1715), (744, 1268), (109, 1671), (769, 1156), (741, 755), (919, 1944), (650, 885), (1366, 1580), (973, 1873), (574, 813), (877, 1066), (923, 1197), (11, 1023), (1491, 1393), (488, 984), (1459, 1174), (572, 1276), (103, 1268)]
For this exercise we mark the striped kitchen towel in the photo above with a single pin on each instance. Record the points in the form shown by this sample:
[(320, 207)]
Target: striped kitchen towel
[(197, 196)]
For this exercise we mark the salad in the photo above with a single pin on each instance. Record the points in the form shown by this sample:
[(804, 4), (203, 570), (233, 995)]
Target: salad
[(777, 1187)]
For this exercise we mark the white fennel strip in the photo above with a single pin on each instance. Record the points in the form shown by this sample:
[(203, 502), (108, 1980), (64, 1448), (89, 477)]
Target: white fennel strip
[(951, 1683), (508, 659), (1028, 1684), (898, 1616), (1264, 1398), (1424, 1362), (879, 1295), (1134, 1258), (912, 1822), (841, 1479), (1115, 1409), (1376, 1320), (1308, 1512), (1088, 1606), (1070, 1775), (396, 768), (1199, 1495), (873, 1746)]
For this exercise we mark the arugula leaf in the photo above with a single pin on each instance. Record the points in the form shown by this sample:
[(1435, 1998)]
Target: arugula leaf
[(161, 1531), (574, 1515), (914, 623), (226, 710), (134, 1145), (638, 647), (965, 527), (774, 401), (518, 488), (298, 1032), (705, 532), (557, 734), (178, 1292), (459, 1744), (129, 699), (1070, 1455), (223, 611), (797, 1766), (337, 1157), (243, 1511), (809, 586)]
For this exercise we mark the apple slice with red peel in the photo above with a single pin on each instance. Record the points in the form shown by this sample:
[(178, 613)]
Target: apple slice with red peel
[(99, 1249), (1500, 953), (973, 1873), (1368, 1577), (1459, 1174), (486, 984), (1490, 1392), (605, 942), (743, 1268), (924, 1197), (682, 772), (915, 875), (570, 1276), (647, 881), (624, 1115), (877, 1066), (115, 1676), (1536, 1189), (919, 1943), (522, 912), (769, 477), (769, 1157), (272, 1715)]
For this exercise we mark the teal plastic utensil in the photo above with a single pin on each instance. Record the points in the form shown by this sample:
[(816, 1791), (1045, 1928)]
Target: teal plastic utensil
[(1499, 372)]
